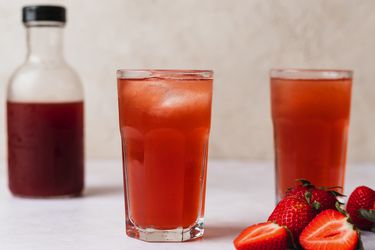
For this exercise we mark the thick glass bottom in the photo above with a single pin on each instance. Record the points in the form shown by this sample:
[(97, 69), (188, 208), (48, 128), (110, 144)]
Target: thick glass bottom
[(171, 235), (63, 196)]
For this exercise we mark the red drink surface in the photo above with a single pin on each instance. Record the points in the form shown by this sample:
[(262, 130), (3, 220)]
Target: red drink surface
[(45, 148), (311, 122), (165, 127)]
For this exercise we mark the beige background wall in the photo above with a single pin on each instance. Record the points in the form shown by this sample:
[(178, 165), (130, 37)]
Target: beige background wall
[(239, 39)]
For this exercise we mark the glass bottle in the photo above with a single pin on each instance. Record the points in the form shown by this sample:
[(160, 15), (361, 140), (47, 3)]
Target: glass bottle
[(45, 113)]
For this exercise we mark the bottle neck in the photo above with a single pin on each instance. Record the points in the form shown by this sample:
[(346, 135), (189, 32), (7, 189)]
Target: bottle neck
[(45, 43)]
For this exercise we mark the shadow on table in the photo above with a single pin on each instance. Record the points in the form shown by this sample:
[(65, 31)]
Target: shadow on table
[(224, 231), (103, 191)]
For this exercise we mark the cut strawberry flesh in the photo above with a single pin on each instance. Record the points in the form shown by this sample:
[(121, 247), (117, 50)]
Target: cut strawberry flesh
[(262, 235), (329, 230)]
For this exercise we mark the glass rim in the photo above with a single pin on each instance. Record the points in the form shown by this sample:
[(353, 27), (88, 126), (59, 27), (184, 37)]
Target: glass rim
[(311, 74), (178, 74)]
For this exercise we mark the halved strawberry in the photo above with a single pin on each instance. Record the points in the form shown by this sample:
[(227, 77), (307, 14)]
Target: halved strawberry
[(265, 235), (329, 230)]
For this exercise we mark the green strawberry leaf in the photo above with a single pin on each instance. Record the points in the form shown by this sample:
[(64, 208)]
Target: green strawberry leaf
[(334, 187), (316, 205), (337, 194), (293, 244), (308, 196), (360, 243), (341, 210), (304, 182), (368, 214)]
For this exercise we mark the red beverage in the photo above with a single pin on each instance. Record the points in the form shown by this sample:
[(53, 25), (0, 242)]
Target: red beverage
[(165, 125), (45, 148), (311, 122)]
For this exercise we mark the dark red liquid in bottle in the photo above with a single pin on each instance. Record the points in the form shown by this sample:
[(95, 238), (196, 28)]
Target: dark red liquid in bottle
[(45, 148)]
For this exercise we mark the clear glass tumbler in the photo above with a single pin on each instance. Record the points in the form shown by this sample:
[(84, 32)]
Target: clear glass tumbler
[(310, 113), (165, 118)]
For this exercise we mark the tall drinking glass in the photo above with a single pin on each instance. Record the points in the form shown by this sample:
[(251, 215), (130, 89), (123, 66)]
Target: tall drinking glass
[(310, 113), (165, 118)]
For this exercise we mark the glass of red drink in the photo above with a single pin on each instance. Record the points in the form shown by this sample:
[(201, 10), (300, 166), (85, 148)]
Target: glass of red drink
[(310, 114), (165, 118)]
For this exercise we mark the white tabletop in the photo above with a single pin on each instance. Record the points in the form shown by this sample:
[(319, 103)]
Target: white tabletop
[(238, 194)]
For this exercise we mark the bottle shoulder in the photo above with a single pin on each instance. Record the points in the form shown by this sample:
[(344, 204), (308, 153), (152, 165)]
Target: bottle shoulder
[(47, 82)]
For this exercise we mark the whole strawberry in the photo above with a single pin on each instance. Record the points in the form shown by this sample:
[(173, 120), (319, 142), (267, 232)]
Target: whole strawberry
[(293, 213), (323, 199), (360, 207), (320, 198)]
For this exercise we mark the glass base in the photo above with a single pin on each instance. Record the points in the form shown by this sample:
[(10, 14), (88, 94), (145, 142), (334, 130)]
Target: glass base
[(171, 235), (62, 196)]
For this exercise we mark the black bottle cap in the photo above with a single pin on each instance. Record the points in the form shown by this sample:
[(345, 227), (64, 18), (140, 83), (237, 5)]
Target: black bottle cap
[(52, 13)]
